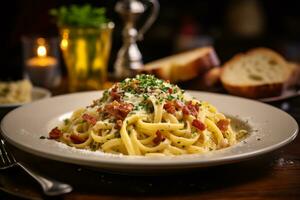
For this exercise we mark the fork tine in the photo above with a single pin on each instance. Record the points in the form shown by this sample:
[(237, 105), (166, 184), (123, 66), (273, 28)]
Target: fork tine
[(2, 157), (10, 158)]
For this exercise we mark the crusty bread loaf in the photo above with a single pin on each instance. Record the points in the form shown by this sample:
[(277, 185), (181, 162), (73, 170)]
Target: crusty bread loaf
[(211, 78), (258, 73), (183, 66), (295, 77)]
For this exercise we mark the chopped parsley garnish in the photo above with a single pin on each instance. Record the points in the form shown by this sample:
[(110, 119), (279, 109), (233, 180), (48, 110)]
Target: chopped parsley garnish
[(145, 83), (105, 96), (146, 96), (165, 89), (137, 91), (144, 106), (66, 121), (170, 97)]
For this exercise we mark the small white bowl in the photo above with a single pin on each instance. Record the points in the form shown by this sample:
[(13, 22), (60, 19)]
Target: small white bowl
[(37, 93)]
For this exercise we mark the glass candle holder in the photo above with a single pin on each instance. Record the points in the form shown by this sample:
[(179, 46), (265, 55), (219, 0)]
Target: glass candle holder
[(86, 52), (41, 61)]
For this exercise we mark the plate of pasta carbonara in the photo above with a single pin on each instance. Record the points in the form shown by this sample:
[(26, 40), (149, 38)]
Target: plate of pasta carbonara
[(144, 123)]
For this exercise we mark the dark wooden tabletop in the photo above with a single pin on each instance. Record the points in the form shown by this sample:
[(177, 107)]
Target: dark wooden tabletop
[(275, 175)]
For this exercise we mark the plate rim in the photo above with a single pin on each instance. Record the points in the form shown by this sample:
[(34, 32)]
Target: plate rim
[(161, 163), (295, 92)]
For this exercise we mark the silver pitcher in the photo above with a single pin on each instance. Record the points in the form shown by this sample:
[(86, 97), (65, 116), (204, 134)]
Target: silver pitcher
[(129, 59)]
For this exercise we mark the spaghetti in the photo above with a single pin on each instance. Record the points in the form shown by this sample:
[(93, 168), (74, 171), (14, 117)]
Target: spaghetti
[(146, 116)]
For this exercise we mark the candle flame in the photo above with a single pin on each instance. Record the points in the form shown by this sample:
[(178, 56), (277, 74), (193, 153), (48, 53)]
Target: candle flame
[(41, 51)]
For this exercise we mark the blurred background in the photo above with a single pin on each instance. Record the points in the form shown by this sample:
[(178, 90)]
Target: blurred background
[(230, 26)]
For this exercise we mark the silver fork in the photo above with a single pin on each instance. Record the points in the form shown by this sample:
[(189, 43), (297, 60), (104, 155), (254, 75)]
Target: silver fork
[(50, 187)]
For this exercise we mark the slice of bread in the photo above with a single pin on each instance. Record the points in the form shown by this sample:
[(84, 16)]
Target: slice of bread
[(183, 66), (259, 73)]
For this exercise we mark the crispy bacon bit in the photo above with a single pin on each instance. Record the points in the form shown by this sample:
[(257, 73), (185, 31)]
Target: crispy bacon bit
[(55, 133), (198, 124), (114, 94), (119, 110), (169, 107), (223, 124), (159, 137), (178, 104), (190, 109), (185, 110), (170, 90), (90, 119), (119, 124), (172, 106), (193, 108), (76, 139), (196, 106)]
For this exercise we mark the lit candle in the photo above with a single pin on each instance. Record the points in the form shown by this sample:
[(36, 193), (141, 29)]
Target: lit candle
[(42, 60), (42, 68)]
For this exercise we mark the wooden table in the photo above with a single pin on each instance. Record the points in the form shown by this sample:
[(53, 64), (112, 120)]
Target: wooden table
[(272, 176)]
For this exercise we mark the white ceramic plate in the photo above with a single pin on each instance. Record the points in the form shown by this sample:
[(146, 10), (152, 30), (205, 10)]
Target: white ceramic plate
[(270, 128)]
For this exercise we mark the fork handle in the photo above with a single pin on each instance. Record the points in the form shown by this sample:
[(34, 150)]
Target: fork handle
[(50, 186)]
